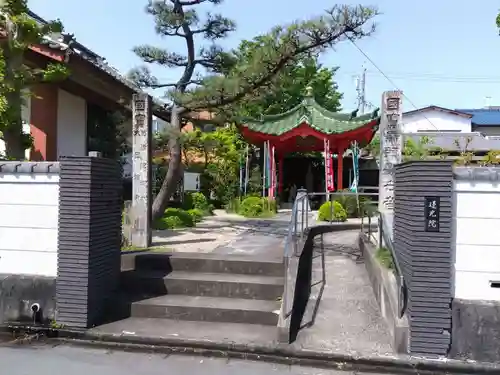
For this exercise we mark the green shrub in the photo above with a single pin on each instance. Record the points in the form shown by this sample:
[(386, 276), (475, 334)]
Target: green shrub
[(329, 213), (200, 202), (350, 204), (196, 214), (175, 218), (253, 206), (384, 257)]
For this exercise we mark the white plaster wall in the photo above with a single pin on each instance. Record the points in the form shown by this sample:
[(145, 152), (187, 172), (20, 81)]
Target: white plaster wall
[(71, 125), (25, 117), (29, 223), (434, 121), (477, 239)]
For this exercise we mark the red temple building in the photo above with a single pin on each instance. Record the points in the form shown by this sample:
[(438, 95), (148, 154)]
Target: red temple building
[(309, 127)]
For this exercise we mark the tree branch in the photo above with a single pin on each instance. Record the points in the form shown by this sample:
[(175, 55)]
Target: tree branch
[(279, 48), (190, 62), (151, 54)]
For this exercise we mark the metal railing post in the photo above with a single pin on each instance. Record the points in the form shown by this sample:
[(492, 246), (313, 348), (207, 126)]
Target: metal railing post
[(330, 199), (307, 211)]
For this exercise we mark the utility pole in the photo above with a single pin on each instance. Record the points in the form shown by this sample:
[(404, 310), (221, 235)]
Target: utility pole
[(361, 90)]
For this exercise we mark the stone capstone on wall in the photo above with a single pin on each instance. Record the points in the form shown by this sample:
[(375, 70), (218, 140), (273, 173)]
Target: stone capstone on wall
[(14, 167)]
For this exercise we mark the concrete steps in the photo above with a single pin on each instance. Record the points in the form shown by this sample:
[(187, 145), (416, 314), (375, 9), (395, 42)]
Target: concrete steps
[(204, 284), (208, 263), (203, 287), (211, 309)]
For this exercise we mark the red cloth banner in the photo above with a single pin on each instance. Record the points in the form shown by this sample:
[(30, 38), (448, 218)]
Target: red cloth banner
[(329, 181)]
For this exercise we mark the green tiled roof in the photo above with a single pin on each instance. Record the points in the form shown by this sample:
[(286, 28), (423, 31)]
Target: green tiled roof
[(310, 112)]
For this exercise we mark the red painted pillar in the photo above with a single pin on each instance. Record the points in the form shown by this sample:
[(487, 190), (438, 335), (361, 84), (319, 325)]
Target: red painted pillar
[(43, 122), (340, 165), (281, 160)]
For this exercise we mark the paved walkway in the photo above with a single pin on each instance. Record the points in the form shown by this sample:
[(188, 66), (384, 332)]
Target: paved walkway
[(228, 234), (348, 320)]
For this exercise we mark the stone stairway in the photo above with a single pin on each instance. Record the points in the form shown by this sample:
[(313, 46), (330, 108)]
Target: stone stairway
[(222, 288)]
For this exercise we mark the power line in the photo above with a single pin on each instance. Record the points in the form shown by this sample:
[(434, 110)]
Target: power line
[(390, 81), (432, 77)]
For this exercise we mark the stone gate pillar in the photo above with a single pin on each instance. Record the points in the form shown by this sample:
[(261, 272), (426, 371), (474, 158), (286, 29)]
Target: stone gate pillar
[(141, 170), (391, 145), (89, 239)]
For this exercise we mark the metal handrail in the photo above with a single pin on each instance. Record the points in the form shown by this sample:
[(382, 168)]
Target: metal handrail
[(290, 243), (386, 238), (296, 232)]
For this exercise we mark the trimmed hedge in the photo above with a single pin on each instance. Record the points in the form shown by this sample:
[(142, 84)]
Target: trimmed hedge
[(327, 212)]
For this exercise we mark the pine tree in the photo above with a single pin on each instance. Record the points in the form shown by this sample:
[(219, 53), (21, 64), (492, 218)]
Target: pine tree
[(18, 32), (213, 78)]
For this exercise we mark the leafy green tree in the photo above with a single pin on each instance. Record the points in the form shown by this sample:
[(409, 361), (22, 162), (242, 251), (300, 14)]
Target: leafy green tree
[(19, 32), (289, 88), (106, 131), (498, 20), (212, 79)]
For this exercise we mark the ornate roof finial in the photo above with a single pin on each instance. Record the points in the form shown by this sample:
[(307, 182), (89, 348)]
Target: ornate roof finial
[(309, 91)]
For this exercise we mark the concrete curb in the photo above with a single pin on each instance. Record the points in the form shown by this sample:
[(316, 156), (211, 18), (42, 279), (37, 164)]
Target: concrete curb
[(274, 354)]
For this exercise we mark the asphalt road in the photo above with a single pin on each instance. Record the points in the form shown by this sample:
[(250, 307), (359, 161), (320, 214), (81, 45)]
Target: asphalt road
[(70, 360)]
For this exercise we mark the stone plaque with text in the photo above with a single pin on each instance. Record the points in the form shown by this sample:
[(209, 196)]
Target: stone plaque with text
[(391, 144), (141, 170)]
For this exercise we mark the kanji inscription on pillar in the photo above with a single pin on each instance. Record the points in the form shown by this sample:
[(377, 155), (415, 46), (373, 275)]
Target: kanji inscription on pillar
[(141, 170), (391, 144)]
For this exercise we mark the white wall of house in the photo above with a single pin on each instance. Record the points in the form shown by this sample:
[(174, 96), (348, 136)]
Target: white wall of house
[(434, 120), (477, 239), (29, 223), (71, 125)]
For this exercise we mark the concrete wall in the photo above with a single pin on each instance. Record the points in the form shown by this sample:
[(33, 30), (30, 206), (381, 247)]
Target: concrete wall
[(434, 120), (476, 239), (71, 125), (476, 303), (60, 239), (29, 202), (385, 288)]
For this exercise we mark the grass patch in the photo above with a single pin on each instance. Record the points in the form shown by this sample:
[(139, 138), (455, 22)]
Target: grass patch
[(127, 249), (384, 257)]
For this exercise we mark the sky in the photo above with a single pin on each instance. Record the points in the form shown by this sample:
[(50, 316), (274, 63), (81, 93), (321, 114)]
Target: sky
[(438, 52)]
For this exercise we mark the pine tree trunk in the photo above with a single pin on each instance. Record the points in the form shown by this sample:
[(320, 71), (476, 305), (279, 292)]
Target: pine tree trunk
[(174, 170)]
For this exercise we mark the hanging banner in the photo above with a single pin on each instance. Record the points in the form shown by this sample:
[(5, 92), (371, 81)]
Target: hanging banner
[(329, 182), (272, 190), (267, 161)]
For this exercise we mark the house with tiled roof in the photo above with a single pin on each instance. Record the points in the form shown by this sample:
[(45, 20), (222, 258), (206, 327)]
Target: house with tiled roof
[(485, 120), (57, 114), (445, 126)]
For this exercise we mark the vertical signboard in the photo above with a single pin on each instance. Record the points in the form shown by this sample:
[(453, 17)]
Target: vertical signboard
[(431, 212), (391, 144), (141, 170)]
